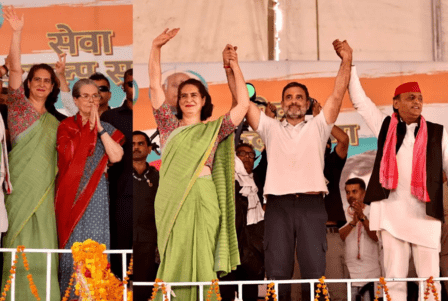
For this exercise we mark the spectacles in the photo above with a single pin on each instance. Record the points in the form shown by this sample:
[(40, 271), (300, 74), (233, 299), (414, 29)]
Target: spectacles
[(88, 96), (103, 88), (130, 84), (244, 154), (45, 80)]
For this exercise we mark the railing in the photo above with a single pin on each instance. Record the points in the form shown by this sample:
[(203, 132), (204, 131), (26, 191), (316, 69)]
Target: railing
[(295, 281), (51, 251)]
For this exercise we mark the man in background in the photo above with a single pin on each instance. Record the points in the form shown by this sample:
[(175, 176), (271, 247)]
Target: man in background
[(120, 177), (145, 184), (362, 254)]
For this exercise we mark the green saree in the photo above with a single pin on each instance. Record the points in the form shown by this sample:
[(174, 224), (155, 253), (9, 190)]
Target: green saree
[(30, 206), (195, 217)]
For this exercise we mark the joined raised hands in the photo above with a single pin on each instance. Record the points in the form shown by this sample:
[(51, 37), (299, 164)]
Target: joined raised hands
[(357, 206), (229, 54), (343, 50), (94, 118), (60, 65), (10, 15), (164, 37)]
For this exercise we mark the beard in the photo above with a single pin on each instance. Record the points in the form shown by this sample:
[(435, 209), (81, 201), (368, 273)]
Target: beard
[(296, 114)]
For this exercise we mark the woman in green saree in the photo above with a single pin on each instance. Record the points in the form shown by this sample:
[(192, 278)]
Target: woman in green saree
[(194, 206), (33, 124)]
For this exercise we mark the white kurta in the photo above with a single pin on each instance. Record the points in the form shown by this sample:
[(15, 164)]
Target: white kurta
[(369, 265), (402, 215)]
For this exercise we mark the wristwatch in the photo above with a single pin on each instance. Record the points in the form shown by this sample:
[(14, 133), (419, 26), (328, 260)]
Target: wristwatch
[(102, 132)]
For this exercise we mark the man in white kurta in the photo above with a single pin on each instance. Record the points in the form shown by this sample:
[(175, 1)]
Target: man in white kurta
[(361, 244), (401, 219)]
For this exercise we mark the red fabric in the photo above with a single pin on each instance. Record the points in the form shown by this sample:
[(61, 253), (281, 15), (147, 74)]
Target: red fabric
[(389, 168), (407, 87), (75, 143)]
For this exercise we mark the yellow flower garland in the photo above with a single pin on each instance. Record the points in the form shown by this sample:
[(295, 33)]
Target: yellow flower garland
[(386, 290), (271, 292), (95, 280), (324, 288)]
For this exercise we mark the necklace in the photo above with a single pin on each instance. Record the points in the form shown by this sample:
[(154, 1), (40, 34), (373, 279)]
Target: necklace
[(144, 175)]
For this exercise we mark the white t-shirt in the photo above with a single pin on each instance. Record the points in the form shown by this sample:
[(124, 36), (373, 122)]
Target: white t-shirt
[(369, 265), (295, 154), (402, 214)]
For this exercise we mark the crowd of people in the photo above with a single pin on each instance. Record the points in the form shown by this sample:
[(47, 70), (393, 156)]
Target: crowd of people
[(209, 212), (56, 169), (290, 205)]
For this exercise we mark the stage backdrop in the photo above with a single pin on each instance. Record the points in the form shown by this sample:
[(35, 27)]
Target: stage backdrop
[(96, 35), (379, 81)]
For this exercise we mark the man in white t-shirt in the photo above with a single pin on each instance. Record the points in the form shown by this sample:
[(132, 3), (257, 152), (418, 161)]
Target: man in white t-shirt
[(361, 244), (295, 183)]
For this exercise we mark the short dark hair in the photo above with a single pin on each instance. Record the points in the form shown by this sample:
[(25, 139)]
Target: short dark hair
[(52, 98), (128, 72), (136, 133), (296, 84), (99, 76), (244, 144), (358, 181), (207, 109)]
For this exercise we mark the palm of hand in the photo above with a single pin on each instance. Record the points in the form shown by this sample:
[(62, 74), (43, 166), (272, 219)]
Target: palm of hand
[(163, 38), (13, 20)]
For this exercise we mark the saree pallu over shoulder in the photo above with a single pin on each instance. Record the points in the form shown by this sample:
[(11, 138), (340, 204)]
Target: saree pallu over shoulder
[(32, 164), (183, 158), (30, 206), (76, 185)]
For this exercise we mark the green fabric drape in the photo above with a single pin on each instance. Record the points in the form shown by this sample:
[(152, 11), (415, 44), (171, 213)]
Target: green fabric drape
[(195, 217), (30, 207)]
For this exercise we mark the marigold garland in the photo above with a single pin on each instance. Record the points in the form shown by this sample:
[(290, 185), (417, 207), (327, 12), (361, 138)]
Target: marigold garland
[(270, 292), (95, 281), (430, 286), (385, 288), (33, 288), (324, 291), (157, 287), (214, 288)]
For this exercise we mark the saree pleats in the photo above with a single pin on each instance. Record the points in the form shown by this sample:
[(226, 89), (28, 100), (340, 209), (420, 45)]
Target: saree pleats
[(30, 206), (196, 236)]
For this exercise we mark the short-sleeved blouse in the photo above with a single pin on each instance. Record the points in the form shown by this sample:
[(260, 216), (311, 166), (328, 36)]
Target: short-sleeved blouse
[(21, 113), (167, 122)]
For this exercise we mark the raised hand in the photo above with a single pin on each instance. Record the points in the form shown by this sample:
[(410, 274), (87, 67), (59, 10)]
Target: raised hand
[(92, 117), (357, 206), (60, 65), (228, 54), (163, 38), (343, 50), (97, 117), (10, 15)]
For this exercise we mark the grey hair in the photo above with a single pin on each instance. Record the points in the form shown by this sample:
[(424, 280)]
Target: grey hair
[(81, 83)]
